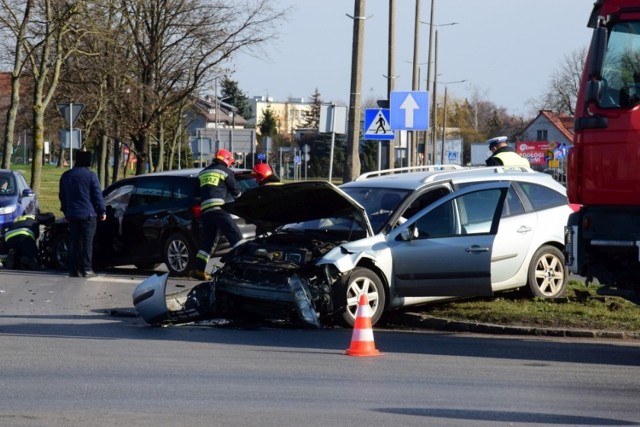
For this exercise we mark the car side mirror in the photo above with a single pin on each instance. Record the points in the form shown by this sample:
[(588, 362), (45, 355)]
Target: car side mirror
[(409, 233), (27, 192)]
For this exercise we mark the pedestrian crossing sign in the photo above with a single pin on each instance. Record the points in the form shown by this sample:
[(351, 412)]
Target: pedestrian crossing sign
[(376, 124)]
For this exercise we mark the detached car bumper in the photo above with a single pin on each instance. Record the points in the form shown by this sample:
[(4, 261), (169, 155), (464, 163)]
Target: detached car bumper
[(214, 299)]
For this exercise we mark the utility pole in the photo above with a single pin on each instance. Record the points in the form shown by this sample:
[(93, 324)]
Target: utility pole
[(433, 142), (412, 157), (391, 69), (352, 167)]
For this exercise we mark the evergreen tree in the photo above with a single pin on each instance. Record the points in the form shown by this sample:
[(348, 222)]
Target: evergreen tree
[(231, 94), (268, 125), (312, 117)]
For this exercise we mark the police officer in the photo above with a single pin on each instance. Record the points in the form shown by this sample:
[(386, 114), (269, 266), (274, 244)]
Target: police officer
[(216, 183), (20, 241), (503, 154)]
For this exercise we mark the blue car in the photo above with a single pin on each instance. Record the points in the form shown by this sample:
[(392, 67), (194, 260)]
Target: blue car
[(16, 198)]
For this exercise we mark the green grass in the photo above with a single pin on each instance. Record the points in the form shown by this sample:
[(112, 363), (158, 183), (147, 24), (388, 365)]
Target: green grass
[(49, 186), (582, 307)]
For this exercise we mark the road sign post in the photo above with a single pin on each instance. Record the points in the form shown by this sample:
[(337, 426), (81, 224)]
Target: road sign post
[(71, 112)]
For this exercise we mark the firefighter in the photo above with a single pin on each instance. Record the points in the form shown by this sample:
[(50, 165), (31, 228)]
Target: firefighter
[(264, 174), (217, 182), (20, 239)]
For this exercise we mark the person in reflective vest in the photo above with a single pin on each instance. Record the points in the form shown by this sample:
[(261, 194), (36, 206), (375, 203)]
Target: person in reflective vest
[(20, 240), (503, 155)]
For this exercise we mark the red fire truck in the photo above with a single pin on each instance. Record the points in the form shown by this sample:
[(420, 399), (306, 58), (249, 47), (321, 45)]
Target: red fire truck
[(603, 238)]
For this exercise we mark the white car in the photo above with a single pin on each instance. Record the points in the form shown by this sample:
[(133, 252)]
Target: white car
[(402, 237)]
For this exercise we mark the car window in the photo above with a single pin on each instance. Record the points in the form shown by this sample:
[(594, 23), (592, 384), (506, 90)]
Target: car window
[(7, 184), (379, 203), (542, 197), (468, 214), (182, 188), (149, 192), (424, 200), (513, 204), (118, 198)]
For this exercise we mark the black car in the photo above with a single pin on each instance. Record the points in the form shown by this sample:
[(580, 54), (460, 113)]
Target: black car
[(151, 219)]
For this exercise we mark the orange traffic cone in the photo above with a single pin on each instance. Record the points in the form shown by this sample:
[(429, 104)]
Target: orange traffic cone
[(362, 337)]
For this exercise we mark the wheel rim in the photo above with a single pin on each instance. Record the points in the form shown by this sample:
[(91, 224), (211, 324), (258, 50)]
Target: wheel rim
[(61, 253), (549, 275), (359, 286), (178, 255)]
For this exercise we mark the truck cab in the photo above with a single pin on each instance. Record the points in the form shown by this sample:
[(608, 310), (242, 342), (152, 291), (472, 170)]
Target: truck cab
[(603, 238)]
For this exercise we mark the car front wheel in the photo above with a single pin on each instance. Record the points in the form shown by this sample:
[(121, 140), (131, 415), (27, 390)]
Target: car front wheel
[(361, 280), (547, 273), (60, 251), (179, 254)]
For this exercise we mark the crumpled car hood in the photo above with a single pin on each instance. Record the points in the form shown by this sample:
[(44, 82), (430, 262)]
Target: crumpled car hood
[(278, 204)]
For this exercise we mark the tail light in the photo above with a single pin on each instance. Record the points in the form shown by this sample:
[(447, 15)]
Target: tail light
[(575, 206), (196, 210)]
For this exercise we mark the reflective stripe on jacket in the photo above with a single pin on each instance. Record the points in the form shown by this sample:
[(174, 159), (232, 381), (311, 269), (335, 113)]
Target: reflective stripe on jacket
[(217, 181), (22, 226)]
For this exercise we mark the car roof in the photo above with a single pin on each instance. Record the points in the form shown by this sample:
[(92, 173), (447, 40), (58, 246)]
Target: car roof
[(412, 178), (190, 172)]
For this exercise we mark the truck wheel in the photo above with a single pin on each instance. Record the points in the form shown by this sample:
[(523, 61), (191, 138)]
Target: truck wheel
[(347, 293), (547, 276), (179, 254)]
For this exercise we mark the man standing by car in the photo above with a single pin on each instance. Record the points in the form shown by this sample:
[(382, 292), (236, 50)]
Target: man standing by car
[(217, 182), (503, 155), (82, 204)]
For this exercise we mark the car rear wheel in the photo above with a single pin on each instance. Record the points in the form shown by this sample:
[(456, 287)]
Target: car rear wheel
[(547, 273), (60, 251), (179, 254), (361, 280)]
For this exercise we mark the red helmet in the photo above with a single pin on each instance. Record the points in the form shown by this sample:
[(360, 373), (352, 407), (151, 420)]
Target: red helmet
[(226, 156), (262, 171)]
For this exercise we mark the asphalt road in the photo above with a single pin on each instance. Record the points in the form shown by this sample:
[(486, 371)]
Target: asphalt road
[(66, 359)]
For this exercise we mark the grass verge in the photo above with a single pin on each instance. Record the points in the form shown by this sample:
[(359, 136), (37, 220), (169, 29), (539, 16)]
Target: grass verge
[(582, 308)]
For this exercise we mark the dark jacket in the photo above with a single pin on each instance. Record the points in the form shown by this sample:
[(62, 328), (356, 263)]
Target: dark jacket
[(217, 181), (80, 194)]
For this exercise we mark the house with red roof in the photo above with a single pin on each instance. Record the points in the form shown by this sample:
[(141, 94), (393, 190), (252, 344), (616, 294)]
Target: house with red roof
[(546, 140)]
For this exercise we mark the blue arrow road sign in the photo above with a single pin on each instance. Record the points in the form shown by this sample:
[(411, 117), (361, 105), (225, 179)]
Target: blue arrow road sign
[(376, 124), (409, 110)]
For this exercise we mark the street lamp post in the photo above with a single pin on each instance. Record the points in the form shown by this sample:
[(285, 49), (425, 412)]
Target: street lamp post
[(433, 43), (444, 117)]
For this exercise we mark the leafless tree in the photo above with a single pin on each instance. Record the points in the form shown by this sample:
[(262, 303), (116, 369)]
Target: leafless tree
[(179, 46), (562, 91), (14, 17)]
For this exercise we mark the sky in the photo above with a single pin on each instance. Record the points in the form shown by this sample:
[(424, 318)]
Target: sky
[(505, 50)]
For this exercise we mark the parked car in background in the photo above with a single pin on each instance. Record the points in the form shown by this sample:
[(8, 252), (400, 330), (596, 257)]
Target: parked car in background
[(16, 197), (402, 237), (151, 219)]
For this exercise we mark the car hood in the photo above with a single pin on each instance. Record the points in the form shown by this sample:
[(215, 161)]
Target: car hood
[(279, 204)]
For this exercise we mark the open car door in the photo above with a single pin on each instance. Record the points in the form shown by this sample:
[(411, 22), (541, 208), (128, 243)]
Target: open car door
[(445, 249)]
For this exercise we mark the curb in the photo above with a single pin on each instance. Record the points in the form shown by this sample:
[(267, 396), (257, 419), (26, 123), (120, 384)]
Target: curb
[(417, 320)]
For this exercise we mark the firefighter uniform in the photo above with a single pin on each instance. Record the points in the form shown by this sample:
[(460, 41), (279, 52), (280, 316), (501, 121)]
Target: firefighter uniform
[(20, 240)]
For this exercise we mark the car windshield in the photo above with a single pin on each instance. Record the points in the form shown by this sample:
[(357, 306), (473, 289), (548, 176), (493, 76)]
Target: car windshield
[(379, 203), (7, 184)]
